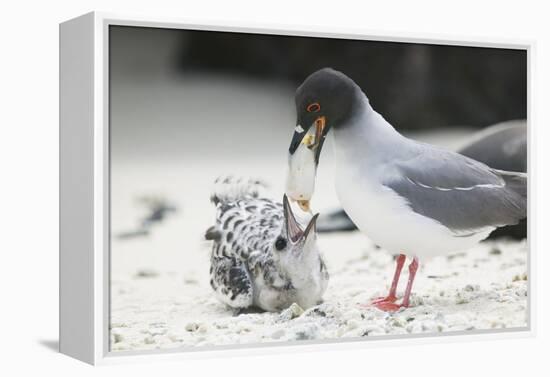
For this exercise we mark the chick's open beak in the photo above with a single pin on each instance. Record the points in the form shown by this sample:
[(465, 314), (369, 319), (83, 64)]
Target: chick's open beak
[(294, 230), (311, 227)]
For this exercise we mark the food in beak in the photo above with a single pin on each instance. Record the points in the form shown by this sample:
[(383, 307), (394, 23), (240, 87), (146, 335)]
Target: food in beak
[(319, 128), (304, 205), (302, 168)]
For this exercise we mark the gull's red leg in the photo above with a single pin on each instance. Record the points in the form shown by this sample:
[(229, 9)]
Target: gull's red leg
[(413, 267), (391, 306), (391, 297)]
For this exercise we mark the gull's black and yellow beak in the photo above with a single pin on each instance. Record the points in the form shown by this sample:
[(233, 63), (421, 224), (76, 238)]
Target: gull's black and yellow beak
[(295, 233), (313, 141)]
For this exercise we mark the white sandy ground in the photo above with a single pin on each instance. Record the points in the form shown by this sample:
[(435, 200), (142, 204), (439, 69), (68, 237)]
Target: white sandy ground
[(165, 144), (161, 298), (474, 290)]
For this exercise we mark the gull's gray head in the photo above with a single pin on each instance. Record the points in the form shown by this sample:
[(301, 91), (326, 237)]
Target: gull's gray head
[(326, 99), (295, 249)]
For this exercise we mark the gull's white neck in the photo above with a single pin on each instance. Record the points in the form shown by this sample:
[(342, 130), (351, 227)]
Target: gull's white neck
[(368, 137)]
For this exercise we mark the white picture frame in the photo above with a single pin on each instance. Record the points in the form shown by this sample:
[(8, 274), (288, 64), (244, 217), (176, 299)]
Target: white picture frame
[(84, 188)]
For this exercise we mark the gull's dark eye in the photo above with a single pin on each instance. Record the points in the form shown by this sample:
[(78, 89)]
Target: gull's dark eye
[(313, 107), (280, 244)]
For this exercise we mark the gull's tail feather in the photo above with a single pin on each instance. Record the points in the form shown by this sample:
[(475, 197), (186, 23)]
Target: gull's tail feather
[(517, 182), (516, 192), (229, 189)]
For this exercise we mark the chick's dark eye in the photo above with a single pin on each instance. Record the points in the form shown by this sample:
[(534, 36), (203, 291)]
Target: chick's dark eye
[(280, 244), (313, 107)]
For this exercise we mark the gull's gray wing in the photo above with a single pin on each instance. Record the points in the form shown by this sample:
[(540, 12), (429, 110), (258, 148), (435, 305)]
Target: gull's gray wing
[(460, 193)]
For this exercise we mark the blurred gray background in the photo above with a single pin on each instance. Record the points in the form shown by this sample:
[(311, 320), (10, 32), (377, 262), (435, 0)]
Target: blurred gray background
[(176, 93)]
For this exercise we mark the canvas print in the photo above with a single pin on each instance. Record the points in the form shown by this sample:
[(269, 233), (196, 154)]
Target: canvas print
[(278, 189)]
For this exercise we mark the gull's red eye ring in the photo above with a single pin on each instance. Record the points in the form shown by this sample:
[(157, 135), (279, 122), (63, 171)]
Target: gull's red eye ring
[(313, 107)]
